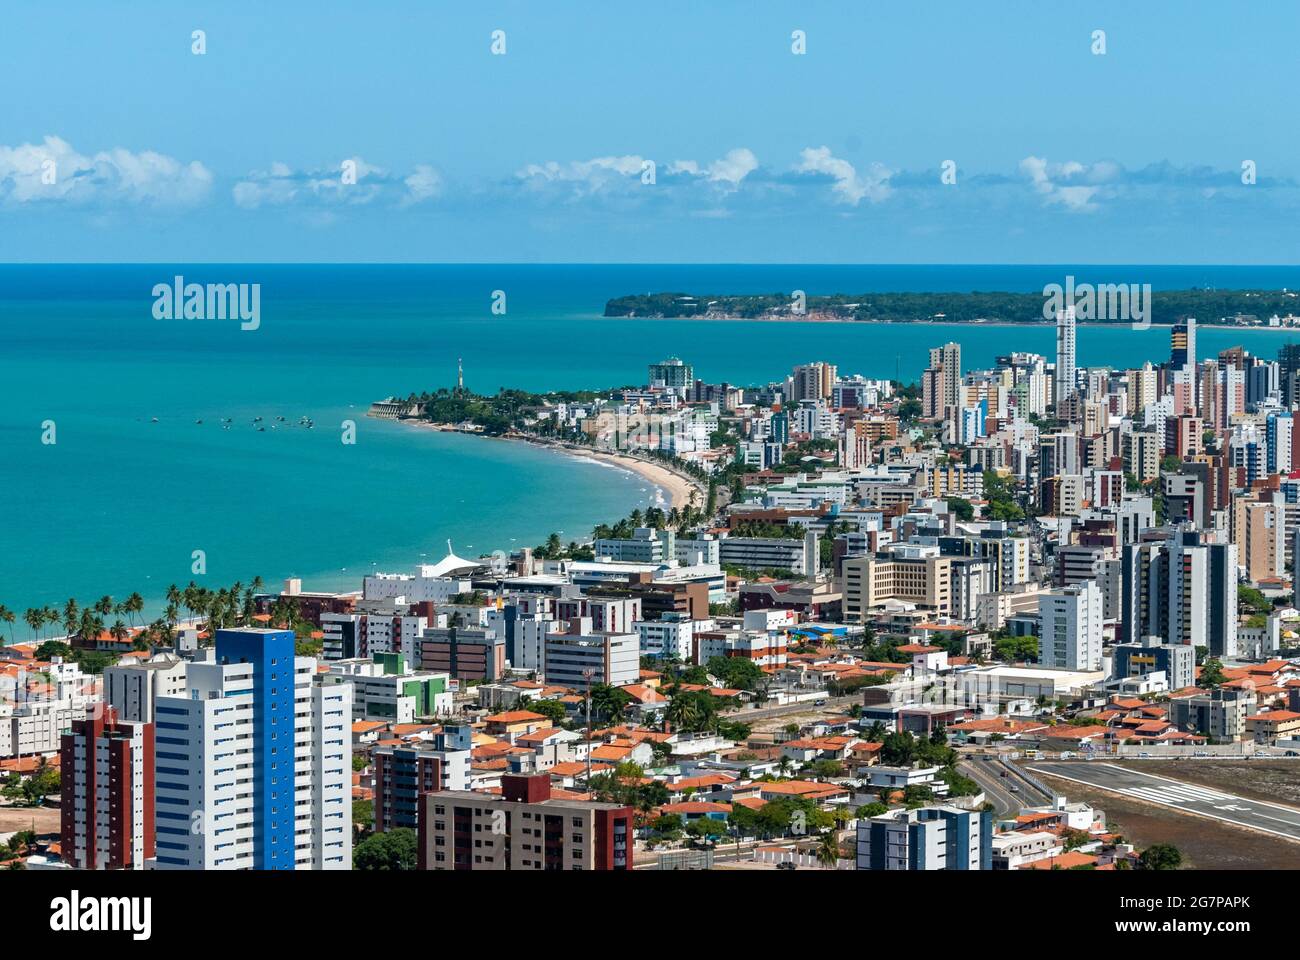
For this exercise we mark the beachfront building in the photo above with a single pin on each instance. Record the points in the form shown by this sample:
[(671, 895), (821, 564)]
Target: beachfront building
[(646, 545)]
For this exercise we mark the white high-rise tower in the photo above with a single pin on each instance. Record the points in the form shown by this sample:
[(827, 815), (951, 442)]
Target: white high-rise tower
[(1064, 353)]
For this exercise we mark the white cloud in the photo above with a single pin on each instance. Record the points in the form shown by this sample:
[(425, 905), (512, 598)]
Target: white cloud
[(54, 170), (850, 186), (424, 183), (1052, 181), (728, 170), (583, 177), (281, 185)]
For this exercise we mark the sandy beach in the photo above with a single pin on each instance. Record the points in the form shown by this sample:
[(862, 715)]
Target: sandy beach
[(676, 487)]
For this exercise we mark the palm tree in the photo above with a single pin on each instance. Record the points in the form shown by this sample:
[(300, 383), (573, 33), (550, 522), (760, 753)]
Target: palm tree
[(90, 626), (132, 605), (7, 617), (118, 631), (71, 616), (104, 606), (52, 616), (828, 851), (685, 713), (35, 617)]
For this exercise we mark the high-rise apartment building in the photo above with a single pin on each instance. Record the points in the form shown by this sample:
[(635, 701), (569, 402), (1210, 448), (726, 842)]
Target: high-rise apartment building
[(941, 387), (671, 373), (1065, 369), (1258, 530), (254, 762), (1071, 621), (106, 809), (811, 381), (1182, 588)]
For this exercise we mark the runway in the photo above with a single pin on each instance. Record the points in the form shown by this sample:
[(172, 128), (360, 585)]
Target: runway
[(1191, 798)]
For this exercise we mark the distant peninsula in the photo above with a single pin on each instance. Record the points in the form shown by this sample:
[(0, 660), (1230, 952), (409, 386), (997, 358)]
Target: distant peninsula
[(1228, 307)]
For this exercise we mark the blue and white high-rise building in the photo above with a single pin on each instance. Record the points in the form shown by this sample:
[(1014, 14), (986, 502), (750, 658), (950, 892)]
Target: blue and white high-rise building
[(1278, 440), (253, 763)]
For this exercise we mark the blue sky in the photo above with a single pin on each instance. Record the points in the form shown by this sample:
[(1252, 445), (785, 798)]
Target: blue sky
[(1134, 156)]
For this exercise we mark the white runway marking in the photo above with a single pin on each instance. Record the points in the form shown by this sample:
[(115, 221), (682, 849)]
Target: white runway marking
[(1186, 797)]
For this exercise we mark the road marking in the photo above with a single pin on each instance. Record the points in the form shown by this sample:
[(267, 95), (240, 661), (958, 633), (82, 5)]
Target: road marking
[(1164, 797)]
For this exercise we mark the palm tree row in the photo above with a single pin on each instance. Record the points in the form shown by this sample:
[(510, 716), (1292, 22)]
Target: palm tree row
[(219, 608)]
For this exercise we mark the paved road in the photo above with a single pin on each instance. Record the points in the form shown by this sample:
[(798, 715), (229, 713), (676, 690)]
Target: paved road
[(989, 777), (1179, 795)]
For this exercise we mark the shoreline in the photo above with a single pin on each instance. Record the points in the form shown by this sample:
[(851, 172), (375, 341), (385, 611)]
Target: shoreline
[(1009, 324), (677, 487)]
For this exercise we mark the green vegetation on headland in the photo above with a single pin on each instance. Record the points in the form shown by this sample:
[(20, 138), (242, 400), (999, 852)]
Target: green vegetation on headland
[(1167, 306), (507, 410)]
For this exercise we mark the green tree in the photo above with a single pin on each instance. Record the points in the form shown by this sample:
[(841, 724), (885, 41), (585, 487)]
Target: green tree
[(828, 849), (1212, 673), (52, 648), (607, 701), (552, 710), (706, 828), (1160, 856), (1253, 599), (363, 814), (390, 850), (961, 508), (691, 711)]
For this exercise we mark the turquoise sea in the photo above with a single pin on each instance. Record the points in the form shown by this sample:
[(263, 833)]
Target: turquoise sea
[(119, 502)]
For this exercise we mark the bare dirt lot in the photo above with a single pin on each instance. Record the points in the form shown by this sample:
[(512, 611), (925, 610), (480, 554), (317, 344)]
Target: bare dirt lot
[(1205, 844), (22, 818)]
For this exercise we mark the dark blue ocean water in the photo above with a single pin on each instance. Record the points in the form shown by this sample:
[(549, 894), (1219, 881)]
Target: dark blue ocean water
[(119, 502)]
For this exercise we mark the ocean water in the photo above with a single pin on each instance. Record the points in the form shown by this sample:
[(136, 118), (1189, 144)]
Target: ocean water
[(119, 502)]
